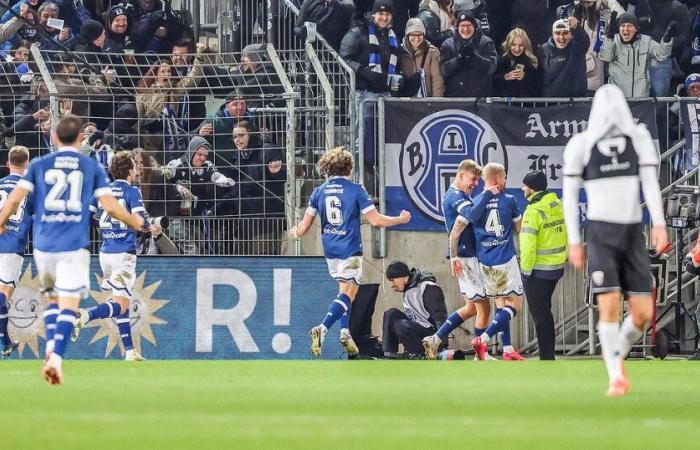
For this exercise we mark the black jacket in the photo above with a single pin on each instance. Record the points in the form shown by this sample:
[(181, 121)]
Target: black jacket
[(529, 86), (143, 25), (332, 18), (471, 77), (121, 133), (564, 70), (655, 16), (535, 17), (431, 22), (355, 51)]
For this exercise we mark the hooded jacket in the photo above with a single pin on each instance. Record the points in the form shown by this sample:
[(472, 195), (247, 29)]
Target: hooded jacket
[(410, 62), (543, 243), (423, 300), (630, 62), (121, 133), (437, 22), (472, 77), (564, 69), (199, 180), (223, 126)]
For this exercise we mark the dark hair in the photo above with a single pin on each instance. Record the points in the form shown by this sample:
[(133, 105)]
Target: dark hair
[(185, 43), (121, 164), (18, 155), (244, 124), (68, 129), (21, 43)]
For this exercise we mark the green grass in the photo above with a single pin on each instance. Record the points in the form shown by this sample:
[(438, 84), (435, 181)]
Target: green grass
[(348, 405)]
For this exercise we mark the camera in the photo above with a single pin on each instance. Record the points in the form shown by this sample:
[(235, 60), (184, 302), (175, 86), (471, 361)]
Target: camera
[(161, 222), (682, 207)]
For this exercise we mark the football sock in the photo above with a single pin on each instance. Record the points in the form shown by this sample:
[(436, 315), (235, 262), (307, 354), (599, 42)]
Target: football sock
[(505, 330), (345, 318), (609, 335), (124, 325), (104, 311), (4, 320), (50, 315), (629, 335), (64, 326), (452, 322), (340, 306), (500, 320)]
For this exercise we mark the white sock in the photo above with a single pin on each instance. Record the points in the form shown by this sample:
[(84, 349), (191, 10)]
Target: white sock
[(609, 335), (508, 349), (49, 345), (485, 338), (629, 335)]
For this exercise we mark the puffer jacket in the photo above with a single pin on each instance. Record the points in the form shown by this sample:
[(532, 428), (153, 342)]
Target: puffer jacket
[(630, 63), (410, 62), (472, 77), (437, 22), (564, 69), (355, 50)]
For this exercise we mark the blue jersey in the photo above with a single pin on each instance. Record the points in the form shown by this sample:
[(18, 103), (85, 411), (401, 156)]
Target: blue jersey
[(116, 236), (339, 202), (453, 201), (15, 239), (492, 217), (63, 183)]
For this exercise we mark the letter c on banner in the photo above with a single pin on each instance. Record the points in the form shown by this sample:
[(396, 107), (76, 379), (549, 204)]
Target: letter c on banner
[(490, 154)]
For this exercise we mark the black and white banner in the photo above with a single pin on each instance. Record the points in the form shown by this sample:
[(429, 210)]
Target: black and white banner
[(690, 114), (426, 140)]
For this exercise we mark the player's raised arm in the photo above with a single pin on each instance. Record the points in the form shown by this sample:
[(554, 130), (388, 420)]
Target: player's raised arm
[(13, 201), (379, 220), (114, 209), (473, 210)]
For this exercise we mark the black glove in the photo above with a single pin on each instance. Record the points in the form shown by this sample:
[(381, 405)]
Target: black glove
[(612, 27), (670, 32), (467, 50), (378, 80), (96, 136), (690, 267)]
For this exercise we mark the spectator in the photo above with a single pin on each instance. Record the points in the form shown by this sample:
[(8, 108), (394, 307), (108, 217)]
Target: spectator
[(33, 5), (517, 72), (117, 39), (535, 17), (436, 16), (121, 133), (16, 75), (332, 19), (499, 20), (563, 60), (593, 15), (658, 19), (50, 10), (468, 60), (257, 78), (91, 41), (424, 310), (94, 145), (33, 130), (11, 27), (402, 11), (26, 34), (160, 197), (155, 27), (218, 128), (475, 8), (631, 55), (419, 63), (74, 89)]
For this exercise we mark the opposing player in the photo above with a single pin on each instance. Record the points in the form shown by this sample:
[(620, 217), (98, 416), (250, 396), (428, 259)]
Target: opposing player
[(13, 244), (493, 219), (462, 251), (118, 253), (612, 158), (62, 184), (340, 202)]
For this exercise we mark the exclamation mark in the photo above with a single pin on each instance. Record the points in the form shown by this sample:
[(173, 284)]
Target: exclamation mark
[(282, 278)]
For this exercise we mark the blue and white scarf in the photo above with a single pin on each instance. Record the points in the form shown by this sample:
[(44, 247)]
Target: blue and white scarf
[(375, 59)]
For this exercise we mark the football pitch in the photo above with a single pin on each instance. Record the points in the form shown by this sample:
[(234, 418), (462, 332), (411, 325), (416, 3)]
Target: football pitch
[(348, 405)]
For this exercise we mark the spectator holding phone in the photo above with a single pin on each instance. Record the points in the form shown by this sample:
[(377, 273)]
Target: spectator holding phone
[(517, 71)]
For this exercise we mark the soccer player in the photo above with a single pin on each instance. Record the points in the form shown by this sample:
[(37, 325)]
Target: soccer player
[(493, 219), (462, 251), (612, 158), (340, 202), (118, 253), (13, 244), (62, 184)]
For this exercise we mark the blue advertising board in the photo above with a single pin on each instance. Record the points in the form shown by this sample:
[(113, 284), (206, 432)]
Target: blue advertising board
[(198, 308)]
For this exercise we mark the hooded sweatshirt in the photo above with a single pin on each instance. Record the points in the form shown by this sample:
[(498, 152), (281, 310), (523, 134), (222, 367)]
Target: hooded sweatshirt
[(423, 300)]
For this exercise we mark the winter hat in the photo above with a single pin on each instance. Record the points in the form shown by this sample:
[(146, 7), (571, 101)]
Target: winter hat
[(383, 6), (114, 12), (91, 30), (536, 180), (692, 79), (466, 16), (560, 25), (234, 96), (397, 269), (628, 18), (415, 26)]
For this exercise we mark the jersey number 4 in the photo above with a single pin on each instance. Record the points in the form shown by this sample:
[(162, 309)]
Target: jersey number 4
[(333, 212), (18, 215), (493, 223), (61, 181)]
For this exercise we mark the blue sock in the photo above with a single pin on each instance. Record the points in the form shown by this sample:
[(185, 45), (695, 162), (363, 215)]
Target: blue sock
[(64, 326), (104, 311), (124, 325), (452, 322), (500, 320), (50, 315), (345, 318), (339, 306), (505, 327), (3, 320), (478, 331)]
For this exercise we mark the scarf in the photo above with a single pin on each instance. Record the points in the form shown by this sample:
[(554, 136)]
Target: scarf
[(173, 141), (375, 59), (445, 19)]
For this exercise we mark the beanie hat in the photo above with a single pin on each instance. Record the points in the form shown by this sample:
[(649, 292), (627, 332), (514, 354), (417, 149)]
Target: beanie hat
[(234, 96), (414, 26), (466, 16), (691, 79), (536, 180), (114, 12), (383, 6), (91, 30), (560, 25), (628, 18), (397, 269)]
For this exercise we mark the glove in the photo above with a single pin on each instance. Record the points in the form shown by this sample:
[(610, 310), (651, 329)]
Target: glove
[(378, 80), (225, 182), (467, 50), (670, 32), (96, 136), (612, 27)]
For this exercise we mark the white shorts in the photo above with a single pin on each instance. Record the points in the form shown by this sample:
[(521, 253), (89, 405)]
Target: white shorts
[(119, 271), (503, 280), (66, 274), (471, 283), (349, 269), (10, 269)]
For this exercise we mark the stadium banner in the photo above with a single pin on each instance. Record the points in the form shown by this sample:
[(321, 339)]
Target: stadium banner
[(197, 308), (690, 115), (426, 140)]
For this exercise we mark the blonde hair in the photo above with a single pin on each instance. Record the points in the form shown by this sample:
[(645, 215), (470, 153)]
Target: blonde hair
[(336, 162), (469, 165), (492, 170), (18, 155), (519, 32)]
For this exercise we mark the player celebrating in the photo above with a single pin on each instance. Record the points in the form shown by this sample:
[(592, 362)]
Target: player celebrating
[(62, 184), (462, 250), (13, 244), (118, 254), (339, 202), (493, 222), (612, 158)]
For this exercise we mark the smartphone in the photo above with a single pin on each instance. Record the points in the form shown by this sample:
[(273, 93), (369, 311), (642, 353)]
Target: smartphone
[(520, 67)]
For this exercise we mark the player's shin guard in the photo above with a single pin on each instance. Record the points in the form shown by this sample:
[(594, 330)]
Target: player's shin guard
[(50, 315), (629, 335), (64, 326), (609, 335), (340, 306), (124, 325), (452, 322), (4, 317), (104, 311)]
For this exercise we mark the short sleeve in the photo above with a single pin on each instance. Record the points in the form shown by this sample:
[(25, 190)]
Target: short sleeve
[(136, 202), (100, 182), (28, 181), (364, 201), (514, 209), (312, 209), (93, 205)]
